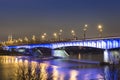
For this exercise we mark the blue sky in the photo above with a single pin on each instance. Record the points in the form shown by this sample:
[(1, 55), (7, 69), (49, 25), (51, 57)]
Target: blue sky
[(33, 17)]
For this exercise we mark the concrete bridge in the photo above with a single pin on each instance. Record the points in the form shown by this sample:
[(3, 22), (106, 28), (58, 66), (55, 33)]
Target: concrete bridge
[(103, 43)]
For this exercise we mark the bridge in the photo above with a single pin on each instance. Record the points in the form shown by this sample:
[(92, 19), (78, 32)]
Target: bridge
[(102, 43)]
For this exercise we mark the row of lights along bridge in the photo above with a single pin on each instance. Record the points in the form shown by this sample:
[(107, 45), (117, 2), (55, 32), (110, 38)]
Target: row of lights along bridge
[(43, 38)]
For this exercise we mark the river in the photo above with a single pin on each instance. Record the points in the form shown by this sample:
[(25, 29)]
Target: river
[(27, 68)]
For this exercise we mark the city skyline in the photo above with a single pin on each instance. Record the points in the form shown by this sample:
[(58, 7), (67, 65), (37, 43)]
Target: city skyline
[(27, 18)]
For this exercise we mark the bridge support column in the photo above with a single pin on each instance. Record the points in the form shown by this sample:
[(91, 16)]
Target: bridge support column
[(106, 55), (112, 56), (59, 53)]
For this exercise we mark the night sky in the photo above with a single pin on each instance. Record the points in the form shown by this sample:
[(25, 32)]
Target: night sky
[(33, 17)]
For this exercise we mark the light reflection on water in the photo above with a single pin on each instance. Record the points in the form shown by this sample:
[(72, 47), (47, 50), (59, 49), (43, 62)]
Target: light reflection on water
[(17, 68), (73, 74)]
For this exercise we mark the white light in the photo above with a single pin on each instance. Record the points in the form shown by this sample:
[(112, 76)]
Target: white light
[(106, 58)]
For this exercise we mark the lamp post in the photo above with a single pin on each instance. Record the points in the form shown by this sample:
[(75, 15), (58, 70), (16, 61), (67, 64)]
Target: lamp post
[(60, 33), (43, 37), (55, 36), (100, 29), (73, 33), (84, 31), (45, 34)]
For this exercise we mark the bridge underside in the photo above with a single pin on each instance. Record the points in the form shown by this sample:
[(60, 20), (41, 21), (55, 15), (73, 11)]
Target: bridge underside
[(84, 53)]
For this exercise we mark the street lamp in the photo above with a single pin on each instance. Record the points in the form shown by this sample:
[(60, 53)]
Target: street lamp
[(84, 31), (73, 33), (100, 29), (45, 34), (60, 33), (43, 37), (55, 35)]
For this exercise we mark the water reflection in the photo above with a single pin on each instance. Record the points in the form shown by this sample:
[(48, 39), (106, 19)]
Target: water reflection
[(73, 75), (112, 72), (19, 68), (6, 59), (79, 56), (87, 56), (31, 70)]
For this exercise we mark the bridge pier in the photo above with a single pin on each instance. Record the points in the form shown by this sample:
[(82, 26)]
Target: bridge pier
[(106, 55), (111, 56)]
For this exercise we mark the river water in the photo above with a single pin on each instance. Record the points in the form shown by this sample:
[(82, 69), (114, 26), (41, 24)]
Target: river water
[(27, 68)]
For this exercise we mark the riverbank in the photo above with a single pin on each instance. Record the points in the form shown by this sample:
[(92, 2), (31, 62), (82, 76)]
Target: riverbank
[(10, 53)]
